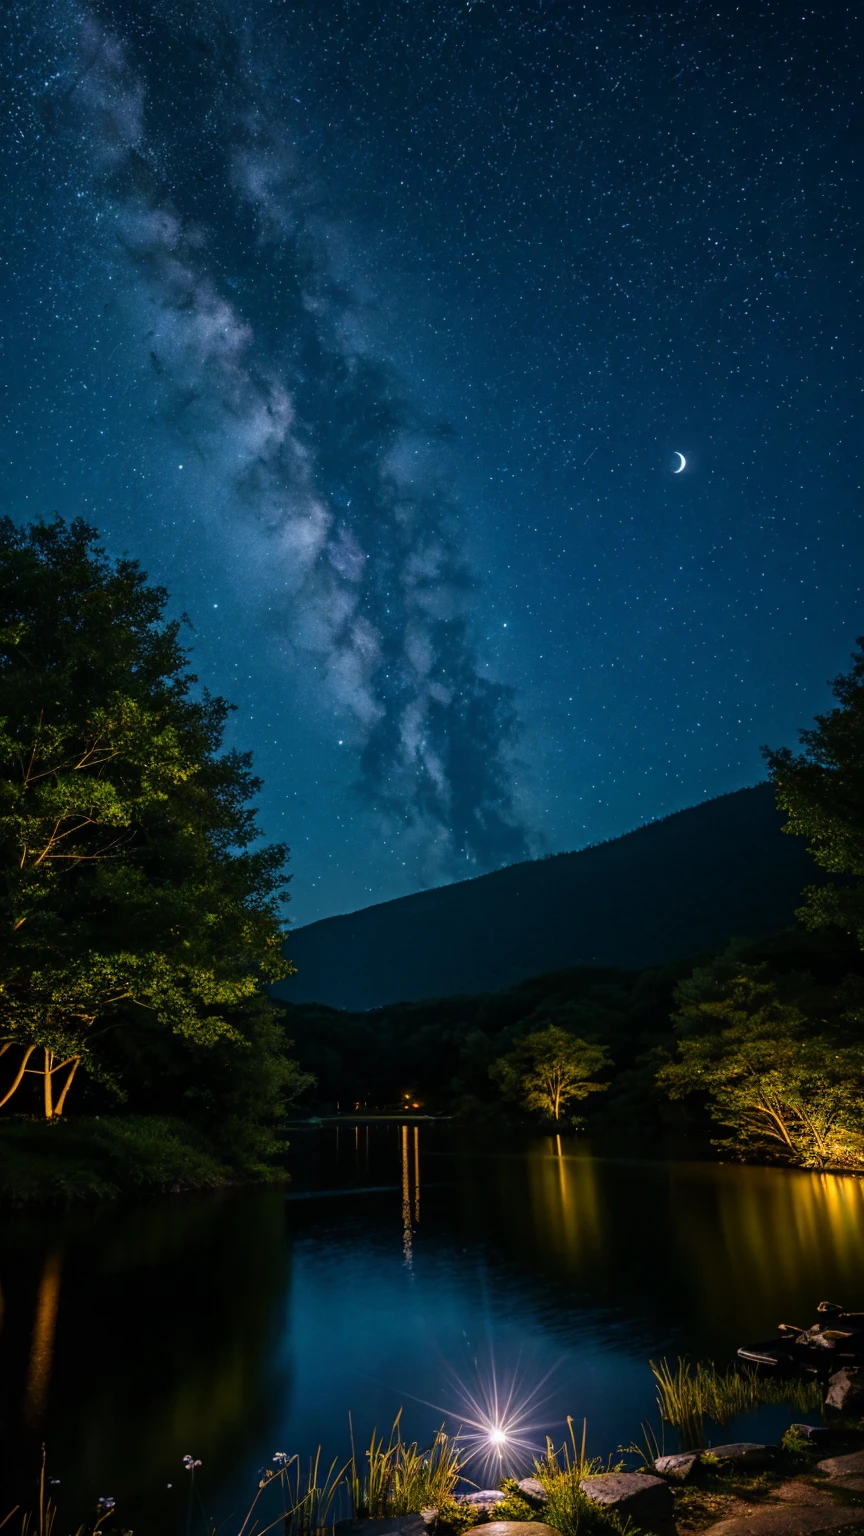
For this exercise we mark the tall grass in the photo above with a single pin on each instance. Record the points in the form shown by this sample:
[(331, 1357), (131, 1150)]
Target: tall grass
[(41, 1520), (397, 1478), (688, 1394), (567, 1509)]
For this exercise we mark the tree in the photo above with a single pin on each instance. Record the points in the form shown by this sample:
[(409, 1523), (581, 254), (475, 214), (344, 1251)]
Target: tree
[(548, 1069), (822, 791), (787, 1085), (131, 895)]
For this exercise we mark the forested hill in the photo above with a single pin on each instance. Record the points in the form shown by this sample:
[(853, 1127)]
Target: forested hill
[(672, 889)]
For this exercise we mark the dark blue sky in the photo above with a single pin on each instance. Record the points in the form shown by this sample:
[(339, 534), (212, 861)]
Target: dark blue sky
[(374, 327)]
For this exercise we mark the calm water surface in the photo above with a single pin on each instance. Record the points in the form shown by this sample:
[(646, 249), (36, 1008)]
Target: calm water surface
[(402, 1269)]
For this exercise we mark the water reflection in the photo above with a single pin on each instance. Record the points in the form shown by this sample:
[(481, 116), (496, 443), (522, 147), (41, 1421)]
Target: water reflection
[(163, 1338), (410, 1218), (230, 1326), (765, 1244), (42, 1346)]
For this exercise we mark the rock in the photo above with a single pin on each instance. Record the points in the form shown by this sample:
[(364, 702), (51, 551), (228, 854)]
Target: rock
[(845, 1389), (789, 1519), (532, 1489), (815, 1432), (483, 1499), (846, 1471), (398, 1525), (743, 1453), (676, 1468), (513, 1528), (646, 1498)]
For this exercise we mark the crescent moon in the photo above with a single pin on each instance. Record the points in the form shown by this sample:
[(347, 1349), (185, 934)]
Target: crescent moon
[(681, 465)]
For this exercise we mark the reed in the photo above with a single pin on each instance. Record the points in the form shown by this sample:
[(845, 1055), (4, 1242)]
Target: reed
[(688, 1394), (41, 1520), (649, 1449), (397, 1478), (567, 1509)]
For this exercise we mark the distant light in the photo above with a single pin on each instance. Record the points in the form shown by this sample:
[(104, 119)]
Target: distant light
[(497, 1437)]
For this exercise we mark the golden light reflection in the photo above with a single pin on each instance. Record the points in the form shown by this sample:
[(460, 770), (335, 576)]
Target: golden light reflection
[(407, 1229), (763, 1238), (42, 1346), (410, 1205), (565, 1202)]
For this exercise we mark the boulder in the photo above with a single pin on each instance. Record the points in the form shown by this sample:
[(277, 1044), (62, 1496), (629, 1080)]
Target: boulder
[(815, 1432), (532, 1489), (845, 1389), (743, 1453), (647, 1499), (676, 1468)]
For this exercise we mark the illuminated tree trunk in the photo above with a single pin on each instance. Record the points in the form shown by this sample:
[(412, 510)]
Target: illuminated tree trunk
[(73, 1068), (19, 1076), (48, 1084)]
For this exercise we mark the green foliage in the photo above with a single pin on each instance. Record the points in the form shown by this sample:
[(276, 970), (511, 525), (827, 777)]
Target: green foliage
[(549, 1069), (132, 898), (822, 791), (797, 1447), (89, 1159), (514, 1505), (441, 1049), (788, 1086)]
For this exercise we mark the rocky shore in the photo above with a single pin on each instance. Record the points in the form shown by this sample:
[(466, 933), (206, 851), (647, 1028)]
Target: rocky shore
[(739, 1489)]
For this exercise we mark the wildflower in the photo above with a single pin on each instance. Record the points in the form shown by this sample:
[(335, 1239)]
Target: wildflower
[(190, 1463), (282, 1458), (105, 1504)]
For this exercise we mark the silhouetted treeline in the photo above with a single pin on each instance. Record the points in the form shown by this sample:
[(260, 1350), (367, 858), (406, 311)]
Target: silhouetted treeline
[(437, 1053)]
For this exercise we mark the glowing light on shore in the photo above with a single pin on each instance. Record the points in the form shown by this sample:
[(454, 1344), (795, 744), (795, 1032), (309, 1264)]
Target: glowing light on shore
[(499, 1431)]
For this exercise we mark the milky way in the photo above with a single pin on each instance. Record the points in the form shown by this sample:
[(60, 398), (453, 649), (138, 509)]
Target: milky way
[(307, 446), (374, 330)]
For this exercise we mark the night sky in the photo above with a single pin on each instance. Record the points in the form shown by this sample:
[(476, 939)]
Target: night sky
[(375, 328)]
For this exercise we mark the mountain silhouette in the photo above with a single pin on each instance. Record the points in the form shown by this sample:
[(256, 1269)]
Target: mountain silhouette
[(671, 889)]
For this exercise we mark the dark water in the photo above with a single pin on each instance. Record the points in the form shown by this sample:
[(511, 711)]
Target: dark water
[(235, 1325)]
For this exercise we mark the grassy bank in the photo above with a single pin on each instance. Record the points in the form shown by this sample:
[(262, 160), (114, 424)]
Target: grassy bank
[(104, 1157)]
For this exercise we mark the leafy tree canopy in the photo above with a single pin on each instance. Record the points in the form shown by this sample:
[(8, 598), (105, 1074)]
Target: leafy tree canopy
[(131, 892), (822, 791), (778, 1060), (548, 1069)]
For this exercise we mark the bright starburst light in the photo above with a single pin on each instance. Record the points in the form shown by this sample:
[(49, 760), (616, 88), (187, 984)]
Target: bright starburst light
[(499, 1429)]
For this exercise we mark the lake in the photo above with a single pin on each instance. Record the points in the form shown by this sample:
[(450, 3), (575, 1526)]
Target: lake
[(404, 1267)]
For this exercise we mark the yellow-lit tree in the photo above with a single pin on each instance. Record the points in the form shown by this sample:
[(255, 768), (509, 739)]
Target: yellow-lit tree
[(550, 1069), (131, 893)]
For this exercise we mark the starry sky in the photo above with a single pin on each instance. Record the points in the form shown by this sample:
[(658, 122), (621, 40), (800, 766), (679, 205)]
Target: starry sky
[(375, 328)]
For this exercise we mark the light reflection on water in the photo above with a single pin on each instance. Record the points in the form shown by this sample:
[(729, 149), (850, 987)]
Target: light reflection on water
[(232, 1326)]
